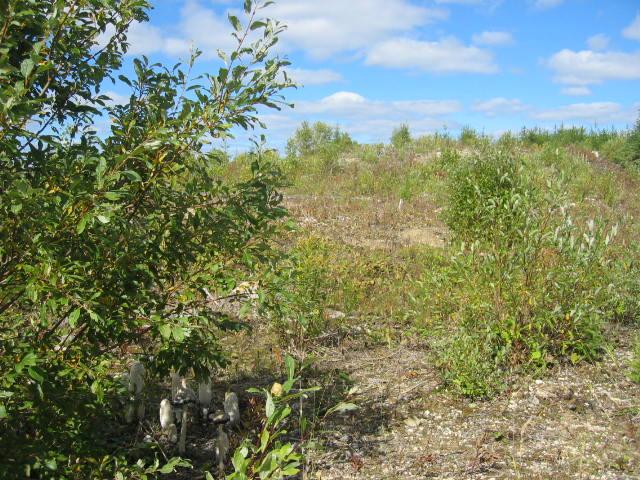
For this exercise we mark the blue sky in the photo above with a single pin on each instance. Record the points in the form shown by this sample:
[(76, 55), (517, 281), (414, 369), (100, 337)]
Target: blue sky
[(369, 65)]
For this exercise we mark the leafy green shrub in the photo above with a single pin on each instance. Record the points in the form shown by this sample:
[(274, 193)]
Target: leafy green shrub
[(490, 197), (108, 242), (469, 136), (318, 139), (269, 458), (528, 287), (614, 150), (401, 136), (593, 139), (632, 148)]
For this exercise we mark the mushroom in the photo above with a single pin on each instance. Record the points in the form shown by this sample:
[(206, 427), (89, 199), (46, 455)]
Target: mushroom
[(184, 396), (166, 414), (167, 420), (140, 408), (129, 412), (221, 445), (231, 407), (136, 378), (175, 384), (205, 395)]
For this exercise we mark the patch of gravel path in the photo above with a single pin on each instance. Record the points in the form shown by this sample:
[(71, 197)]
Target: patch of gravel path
[(578, 422)]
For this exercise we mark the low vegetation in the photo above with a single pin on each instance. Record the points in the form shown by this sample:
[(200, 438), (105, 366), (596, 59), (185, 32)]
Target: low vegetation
[(131, 242)]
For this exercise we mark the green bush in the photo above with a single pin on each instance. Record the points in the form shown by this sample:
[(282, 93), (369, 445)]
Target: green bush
[(469, 136), (490, 198), (318, 139), (528, 287), (632, 149), (401, 136), (108, 242)]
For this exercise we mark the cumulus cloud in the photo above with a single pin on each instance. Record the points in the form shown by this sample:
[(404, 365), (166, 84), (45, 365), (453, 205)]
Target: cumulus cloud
[(350, 104), (373, 120), (197, 26), (320, 29), (588, 67), (314, 77), (500, 106), (598, 42), (444, 56), (596, 112), (633, 30), (330, 27), (579, 91), (493, 38)]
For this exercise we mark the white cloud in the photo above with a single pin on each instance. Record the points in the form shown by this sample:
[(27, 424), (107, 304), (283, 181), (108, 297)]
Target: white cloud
[(444, 56), (493, 38), (329, 27), (588, 67), (545, 4), (314, 77), (598, 42), (596, 111), (500, 106), (116, 98), (144, 39), (350, 104), (321, 29), (578, 91), (633, 30), (373, 120), (197, 26)]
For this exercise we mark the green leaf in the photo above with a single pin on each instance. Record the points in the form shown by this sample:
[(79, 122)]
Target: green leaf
[(247, 6), (178, 334), (132, 175), (82, 224), (235, 23), (113, 196), (208, 476), (29, 360), (257, 24), (344, 407), (270, 406), (35, 375), (102, 219), (290, 470), (15, 208), (167, 468), (51, 464), (165, 331), (3, 411), (264, 440), (291, 366), (239, 462), (26, 67), (73, 317)]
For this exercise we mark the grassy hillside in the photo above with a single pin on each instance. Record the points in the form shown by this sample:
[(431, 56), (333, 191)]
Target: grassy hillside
[(483, 290)]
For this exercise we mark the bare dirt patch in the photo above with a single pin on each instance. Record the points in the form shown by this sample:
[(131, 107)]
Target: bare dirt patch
[(576, 423), (370, 222)]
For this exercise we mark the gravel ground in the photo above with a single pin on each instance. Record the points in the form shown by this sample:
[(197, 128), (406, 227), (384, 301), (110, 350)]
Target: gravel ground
[(578, 422)]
